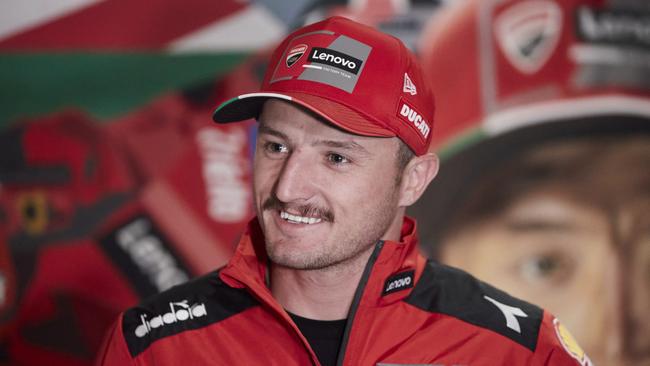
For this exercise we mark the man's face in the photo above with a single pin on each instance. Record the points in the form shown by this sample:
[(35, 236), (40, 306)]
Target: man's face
[(323, 196), (589, 267)]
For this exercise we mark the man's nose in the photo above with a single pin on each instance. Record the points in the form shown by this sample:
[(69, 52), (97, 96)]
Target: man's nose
[(296, 179), (613, 314), (626, 340)]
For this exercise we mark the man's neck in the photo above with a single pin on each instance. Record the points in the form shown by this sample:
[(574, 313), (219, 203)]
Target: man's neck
[(324, 294)]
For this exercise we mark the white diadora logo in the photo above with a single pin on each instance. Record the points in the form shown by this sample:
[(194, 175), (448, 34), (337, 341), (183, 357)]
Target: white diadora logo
[(411, 116), (510, 312), (409, 87), (179, 311), (529, 32)]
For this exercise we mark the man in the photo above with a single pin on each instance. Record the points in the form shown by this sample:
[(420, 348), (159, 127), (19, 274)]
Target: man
[(545, 145), (329, 273)]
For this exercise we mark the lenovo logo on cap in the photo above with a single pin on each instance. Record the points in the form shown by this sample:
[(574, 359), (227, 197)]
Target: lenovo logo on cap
[(336, 59)]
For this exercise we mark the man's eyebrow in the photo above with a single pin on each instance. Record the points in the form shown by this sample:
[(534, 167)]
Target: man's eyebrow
[(264, 129), (540, 225), (345, 145)]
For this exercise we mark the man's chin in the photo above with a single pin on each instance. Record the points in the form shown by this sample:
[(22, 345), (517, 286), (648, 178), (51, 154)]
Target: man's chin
[(297, 262)]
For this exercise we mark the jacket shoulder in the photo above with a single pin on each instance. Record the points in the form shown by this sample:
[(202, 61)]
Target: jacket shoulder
[(453, 292), (195, 304)]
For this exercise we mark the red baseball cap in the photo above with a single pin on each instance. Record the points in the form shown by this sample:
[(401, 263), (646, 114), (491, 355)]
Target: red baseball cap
[(505, 66), (514, 75), (356, 77)]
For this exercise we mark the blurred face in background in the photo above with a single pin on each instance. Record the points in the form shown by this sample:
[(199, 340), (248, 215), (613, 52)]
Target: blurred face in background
[(567, 227)]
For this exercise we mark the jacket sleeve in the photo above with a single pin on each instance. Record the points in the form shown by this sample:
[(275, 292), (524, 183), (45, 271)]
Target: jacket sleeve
[(114, 351), (556, 346)]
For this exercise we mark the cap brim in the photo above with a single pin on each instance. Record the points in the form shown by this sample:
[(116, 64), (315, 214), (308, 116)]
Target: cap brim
[(249, 106), (460, 172)]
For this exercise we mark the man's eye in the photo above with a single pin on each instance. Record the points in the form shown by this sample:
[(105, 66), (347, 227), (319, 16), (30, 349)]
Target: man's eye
[(337, 159), (275, 147), (551, 268), (542, 266)]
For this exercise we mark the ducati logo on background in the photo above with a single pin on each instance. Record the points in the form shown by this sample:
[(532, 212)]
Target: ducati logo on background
[(528, 33), (295, 54), (409, 87)]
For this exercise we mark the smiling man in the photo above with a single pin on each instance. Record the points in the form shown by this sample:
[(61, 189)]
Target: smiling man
[(329, 272)]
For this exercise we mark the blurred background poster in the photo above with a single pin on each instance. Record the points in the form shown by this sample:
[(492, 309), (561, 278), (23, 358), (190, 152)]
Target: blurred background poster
[(542, 125), (114, 183)]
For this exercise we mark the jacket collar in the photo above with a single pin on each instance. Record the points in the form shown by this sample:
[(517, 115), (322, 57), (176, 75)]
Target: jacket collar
[(248, 265)]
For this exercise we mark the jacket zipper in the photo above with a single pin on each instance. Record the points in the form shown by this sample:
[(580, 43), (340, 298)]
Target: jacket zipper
[(358, 295)]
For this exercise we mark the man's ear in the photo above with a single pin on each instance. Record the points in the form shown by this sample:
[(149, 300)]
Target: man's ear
[(416, 177)]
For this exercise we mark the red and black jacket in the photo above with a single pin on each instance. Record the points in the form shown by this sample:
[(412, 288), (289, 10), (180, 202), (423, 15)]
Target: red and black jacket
[(406, 310)]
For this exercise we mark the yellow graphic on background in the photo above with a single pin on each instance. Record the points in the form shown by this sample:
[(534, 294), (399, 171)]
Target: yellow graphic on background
[(33, 211)]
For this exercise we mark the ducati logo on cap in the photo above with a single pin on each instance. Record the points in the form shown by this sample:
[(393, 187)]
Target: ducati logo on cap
[(295, 54), (528, 33), (413, 119), (409, 87)]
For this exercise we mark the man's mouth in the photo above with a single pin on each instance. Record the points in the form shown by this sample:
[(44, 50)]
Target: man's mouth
[(295, 219)]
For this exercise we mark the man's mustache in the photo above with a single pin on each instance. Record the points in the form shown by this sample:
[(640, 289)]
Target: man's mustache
[(309, 210)]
